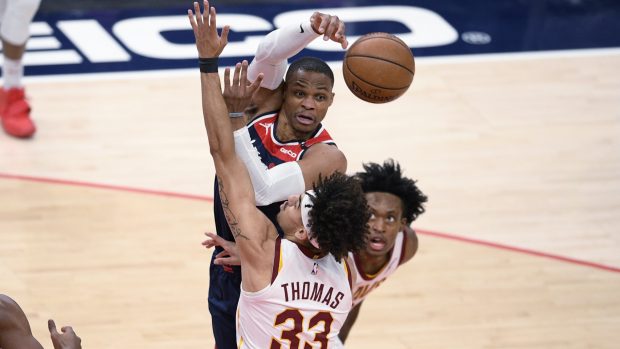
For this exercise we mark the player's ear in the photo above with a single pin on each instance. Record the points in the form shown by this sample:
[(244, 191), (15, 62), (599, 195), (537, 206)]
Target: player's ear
[(301, 234), (331, 100), (403, 223)]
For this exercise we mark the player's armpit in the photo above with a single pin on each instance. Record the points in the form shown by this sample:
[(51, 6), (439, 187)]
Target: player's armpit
[(321, 160)]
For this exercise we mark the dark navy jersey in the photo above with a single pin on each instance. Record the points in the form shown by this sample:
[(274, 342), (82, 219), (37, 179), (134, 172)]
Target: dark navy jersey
[(272, 152)]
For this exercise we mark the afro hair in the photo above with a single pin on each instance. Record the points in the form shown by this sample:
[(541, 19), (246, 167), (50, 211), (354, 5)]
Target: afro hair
[(388, 178)]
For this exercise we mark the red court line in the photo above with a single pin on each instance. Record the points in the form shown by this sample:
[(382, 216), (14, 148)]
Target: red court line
[(210, 199), (106, 186), (518, 249)]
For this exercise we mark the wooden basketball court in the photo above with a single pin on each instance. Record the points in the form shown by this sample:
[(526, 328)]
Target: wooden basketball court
[(102, 213)]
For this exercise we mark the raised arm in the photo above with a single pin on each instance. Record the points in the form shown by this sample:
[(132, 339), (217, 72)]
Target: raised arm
[(270, 60), (248, 225)]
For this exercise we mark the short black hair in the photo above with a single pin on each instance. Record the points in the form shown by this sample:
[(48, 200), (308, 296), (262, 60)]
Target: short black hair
[(310, 64), (339, 215), (388, 178)]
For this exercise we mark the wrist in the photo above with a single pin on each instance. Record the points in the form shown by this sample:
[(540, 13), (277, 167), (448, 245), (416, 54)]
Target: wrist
[(309, 27), (208, 65)]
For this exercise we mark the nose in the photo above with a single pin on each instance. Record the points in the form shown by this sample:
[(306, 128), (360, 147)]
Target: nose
[(308, 103), (378, 225), (292, 200)]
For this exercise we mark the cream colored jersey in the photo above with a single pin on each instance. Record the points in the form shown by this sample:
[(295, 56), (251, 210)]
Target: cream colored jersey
[(306, 304), (365, 283)]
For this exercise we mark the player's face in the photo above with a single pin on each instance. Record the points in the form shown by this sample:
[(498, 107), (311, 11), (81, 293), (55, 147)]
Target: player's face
[(289, 216), (307, 97), (386, 220)]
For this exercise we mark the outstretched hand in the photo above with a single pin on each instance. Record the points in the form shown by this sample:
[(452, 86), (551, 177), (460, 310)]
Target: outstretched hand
[(208, 42), (331, 27), (230, 255), (65, 340), (238, 95)]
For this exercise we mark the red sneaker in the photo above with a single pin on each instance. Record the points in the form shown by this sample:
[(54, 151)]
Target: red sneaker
[(15, 113)]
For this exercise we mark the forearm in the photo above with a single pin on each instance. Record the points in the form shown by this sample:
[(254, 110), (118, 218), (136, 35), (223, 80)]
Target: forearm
[(215, 114), (274, 50), (270, 185)]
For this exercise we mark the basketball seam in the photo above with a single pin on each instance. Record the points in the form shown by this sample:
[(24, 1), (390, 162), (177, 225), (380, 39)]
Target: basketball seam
[(382, 59), (370, 83), (391, 37)]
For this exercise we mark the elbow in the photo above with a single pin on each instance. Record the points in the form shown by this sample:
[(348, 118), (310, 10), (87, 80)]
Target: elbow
[(215, 149)]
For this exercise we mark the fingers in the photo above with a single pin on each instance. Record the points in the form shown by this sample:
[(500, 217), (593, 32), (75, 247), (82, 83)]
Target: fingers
[(224, 38), (236, 75), (256, 84), (212, 18), (244, 73), (51, 325), (222, 254), (198, 18), (217, 240), (208, 243), (332, 28), (227, 261), (67, 329), (324, 23), (192, 20), (340, 35), (226, 80)]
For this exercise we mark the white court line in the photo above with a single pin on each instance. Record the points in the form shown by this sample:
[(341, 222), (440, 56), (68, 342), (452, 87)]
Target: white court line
[(193, 72)]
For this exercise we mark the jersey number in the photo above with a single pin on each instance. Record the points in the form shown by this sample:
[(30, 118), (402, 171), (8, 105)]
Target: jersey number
[(292, 335)]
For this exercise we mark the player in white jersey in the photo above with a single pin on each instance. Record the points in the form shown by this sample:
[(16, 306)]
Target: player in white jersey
[(330, 219), (395, 201), (15, 18), (307, 302)]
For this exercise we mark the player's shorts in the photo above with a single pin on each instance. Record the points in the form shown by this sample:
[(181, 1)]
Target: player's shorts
[(15, 18), (224, 293)]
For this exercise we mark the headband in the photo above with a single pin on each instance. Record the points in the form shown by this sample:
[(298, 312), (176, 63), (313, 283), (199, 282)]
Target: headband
[(306, 206)]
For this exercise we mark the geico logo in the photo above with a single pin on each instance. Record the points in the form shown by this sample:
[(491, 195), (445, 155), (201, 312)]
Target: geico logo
[(288, 152), (143, 35)]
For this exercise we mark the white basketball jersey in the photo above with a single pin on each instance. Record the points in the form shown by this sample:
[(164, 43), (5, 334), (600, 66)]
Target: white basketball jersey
[(307, 302), (365, 283)]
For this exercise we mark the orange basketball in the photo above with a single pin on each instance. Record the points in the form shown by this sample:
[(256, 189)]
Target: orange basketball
[(378, 67)]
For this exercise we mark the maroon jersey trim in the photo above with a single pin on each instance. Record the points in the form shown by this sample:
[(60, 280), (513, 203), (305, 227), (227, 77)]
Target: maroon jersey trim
[(276, 260), (404, 248)]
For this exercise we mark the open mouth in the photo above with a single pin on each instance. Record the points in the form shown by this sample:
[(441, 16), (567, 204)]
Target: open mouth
[(376, 243), (304, 119)]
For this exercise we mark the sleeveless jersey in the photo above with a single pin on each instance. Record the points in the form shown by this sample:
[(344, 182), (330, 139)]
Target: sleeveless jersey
[(272, 152), (365, 283), (307, 301)]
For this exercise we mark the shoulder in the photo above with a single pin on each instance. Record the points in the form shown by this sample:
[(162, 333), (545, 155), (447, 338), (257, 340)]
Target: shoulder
[(410, 247), (264, 117), (326, 153), (11, 315), (7, 308)]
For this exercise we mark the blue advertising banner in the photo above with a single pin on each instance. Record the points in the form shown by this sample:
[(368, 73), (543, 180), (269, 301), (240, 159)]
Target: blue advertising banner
[(143, 39)]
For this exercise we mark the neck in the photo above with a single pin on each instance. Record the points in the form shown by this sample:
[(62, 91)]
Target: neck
[(372, 264), (286, 133)]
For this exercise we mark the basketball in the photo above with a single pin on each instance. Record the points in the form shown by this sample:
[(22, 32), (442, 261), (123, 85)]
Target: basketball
[(378, 67)]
